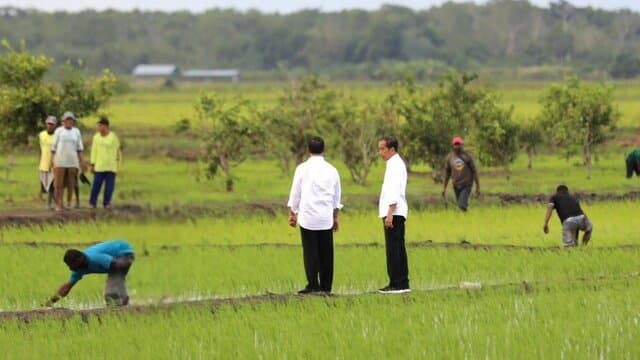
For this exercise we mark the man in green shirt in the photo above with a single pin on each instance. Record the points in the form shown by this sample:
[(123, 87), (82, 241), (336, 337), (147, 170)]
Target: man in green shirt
[(105, 158), (633, 163)]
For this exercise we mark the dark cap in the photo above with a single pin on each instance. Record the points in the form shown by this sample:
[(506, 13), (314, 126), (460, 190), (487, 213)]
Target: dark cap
[(103, 120)]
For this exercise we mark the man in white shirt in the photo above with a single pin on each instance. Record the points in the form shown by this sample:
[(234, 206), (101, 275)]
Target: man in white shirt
[(67, 151), (313, 204), (393, 210)]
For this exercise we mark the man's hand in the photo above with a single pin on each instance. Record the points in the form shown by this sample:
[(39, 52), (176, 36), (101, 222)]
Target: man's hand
[(388, 222), (545, 228), (478, 193), (292, 220), (336, 225), (444, 193), (92, 168), (52, 300)]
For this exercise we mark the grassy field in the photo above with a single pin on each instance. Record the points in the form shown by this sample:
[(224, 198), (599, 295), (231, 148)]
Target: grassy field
[(152, 108), (206, 258)]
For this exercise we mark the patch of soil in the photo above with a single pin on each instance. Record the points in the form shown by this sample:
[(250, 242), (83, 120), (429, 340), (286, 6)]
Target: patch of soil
[(132, 211), (414, 244), (167, 305)]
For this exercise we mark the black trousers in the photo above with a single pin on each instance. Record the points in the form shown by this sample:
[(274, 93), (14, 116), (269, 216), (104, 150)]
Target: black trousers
[(397, 263), (317, 250), (633, 167)]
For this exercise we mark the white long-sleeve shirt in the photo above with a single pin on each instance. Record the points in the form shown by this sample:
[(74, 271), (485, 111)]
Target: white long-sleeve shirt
[(394, 188), (315, 193)]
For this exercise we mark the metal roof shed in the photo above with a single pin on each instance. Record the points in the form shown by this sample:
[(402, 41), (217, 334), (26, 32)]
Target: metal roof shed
[(211, 74), (156, 70)]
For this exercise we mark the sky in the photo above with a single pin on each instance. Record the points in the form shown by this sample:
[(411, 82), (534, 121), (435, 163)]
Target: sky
[(283, 6)]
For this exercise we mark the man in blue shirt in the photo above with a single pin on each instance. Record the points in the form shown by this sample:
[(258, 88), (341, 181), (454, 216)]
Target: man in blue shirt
[(113, 258)]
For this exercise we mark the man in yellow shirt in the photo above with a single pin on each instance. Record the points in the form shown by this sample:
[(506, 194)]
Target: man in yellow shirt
[(45, 139), (105, 159)]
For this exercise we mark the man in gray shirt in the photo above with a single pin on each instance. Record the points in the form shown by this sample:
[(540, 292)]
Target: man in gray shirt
[(461, 169), (67, 150)]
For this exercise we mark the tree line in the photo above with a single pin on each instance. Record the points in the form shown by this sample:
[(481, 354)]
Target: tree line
[(374, 44), (577, 118)]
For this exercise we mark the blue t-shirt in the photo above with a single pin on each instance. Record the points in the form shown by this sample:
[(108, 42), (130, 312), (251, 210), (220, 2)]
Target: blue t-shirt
[(100, 256)]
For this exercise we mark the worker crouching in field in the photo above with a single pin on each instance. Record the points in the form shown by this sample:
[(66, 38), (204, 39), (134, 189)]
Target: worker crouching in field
[(113, 258), (571, 216), (633, 163)]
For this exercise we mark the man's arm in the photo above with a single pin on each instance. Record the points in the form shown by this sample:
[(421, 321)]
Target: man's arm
[(337, 205), (54, 145), (62, 292), (388, 220), (447, 176), (476, 177), (547, 217), (93, 155), (83, 164), (294, 198)]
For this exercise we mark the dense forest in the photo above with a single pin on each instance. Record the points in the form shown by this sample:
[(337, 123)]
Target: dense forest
[(499, 34)]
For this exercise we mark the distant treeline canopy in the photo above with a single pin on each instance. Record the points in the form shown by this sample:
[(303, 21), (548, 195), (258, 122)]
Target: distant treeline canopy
[(499, 33)]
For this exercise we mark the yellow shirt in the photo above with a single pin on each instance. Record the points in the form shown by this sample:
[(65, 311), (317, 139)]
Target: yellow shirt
[(46, 141), (105, 152)]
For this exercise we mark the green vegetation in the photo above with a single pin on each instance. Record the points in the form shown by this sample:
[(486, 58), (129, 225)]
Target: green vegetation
[(382, 44), (598, 319), (195, 240)]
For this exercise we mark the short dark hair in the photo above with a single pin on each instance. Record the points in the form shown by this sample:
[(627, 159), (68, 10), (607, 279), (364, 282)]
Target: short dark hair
[(390, 141), (562, 189), (72, 256), (316, 145)]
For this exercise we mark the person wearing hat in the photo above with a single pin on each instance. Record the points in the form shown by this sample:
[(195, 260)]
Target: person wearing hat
[(67, 151), (461, 170), (105, 158), (45, 138)]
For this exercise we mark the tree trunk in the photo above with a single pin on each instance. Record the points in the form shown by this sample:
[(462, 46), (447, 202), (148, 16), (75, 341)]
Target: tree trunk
[(507, 172), (229, 184), (529, 159), (587, 160)]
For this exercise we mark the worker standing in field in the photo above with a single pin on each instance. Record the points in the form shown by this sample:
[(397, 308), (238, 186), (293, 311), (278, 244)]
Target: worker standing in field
[(314, 203), (45, 139), (461, 169), (67, 151), (105, 159), (393, 209), (572, 218), (113, 258), (633, 163)]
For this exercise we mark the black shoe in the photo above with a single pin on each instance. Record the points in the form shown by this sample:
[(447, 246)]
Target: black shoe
[(308, 290), (394, 290)]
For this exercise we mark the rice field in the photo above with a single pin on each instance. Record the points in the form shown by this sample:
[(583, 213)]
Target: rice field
[(216, 273)]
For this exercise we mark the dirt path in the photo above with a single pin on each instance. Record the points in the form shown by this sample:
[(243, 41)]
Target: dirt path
[(412, 244), (167, 305), (133, 212)]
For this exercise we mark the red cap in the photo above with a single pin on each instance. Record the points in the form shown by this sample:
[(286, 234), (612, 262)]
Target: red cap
[(457, 140)]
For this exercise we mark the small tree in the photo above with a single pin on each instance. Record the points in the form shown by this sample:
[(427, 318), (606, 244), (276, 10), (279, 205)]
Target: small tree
[(531, 136), (230, 138), (26, 98), (580, 117), (496, 135), (360, 128), (433, 118), (307, 107)]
